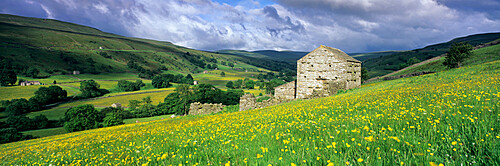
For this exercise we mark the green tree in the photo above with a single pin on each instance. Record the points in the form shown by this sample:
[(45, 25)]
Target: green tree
[(272, 84), (20, 122), (11, 135), (7, 72), (112, 119), (32, 72), (364, 74), (126, 86), (229, 84), (18, 107), (90, 88), (40, 121), (51, 94), (457, 54), (238, 83), (82, 117), (7, 77), (222, 74), (250, 84)]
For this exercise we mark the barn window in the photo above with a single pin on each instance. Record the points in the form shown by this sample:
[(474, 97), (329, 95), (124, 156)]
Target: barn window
[(312, 66), (319, 76), (330, 65), (304, 76)]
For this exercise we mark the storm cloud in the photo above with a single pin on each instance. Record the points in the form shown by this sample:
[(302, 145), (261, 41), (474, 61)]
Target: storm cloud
[(350, 25)]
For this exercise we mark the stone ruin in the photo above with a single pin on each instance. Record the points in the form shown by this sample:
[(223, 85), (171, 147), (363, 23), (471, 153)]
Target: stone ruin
[(249, 101), (198, 108)]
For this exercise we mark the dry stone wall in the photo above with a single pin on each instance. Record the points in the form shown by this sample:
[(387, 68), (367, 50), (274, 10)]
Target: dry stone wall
[(248, 102), (286, 91), (198, 108)]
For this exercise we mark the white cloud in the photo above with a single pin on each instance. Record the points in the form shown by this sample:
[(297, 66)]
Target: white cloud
[(351, 25)]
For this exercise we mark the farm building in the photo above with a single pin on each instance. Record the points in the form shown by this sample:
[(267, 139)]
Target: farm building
[(28, 83), (320, 73)]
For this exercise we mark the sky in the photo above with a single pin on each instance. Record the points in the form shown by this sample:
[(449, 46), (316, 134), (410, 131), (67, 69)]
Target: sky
[(299, 25)]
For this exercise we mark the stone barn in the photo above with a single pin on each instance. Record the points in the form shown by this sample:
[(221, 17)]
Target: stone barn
[(320, 73)]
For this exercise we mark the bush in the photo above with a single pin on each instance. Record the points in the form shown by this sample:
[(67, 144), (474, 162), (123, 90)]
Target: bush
[(112, 119), (40, 121), (90, 88), (18, 107), (11, 135), (457, 54), (82, 117), (126, 86), (20, 122), (51, 94)]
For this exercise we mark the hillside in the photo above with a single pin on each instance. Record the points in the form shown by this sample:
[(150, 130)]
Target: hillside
[(450, 118), (480, 55), (390, 63), (56, 47), (286, 56)]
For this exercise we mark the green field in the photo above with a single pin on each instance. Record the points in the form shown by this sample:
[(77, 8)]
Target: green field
[(449, 118), (61, 130), (478, 56)]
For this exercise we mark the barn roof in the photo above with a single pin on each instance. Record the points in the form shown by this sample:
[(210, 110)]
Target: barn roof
[(336, 52)]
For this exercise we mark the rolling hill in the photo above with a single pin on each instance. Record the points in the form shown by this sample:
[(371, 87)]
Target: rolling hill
[(56, 47), (386, 64), (441, 118)]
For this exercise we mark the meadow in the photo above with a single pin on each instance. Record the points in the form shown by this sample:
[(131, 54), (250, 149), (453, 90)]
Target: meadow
[(449, 118)]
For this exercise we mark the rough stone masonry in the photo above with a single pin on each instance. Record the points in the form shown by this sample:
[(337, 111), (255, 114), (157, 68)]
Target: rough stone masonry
[(322, 72)]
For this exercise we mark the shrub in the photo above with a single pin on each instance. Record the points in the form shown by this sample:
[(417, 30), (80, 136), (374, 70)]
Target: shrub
[(11, 135), (457, 54), (126, 86), (82, 117), (112, 119), (90, 88)]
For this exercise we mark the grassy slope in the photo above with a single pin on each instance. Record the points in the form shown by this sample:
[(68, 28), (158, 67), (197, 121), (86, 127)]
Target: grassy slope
[(371, 55), (449, 117), (479, 56), (387, 64), (37, 42)]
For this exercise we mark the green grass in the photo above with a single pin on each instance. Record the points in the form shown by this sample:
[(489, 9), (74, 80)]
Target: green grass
[(447, 118), (479, 56), (46, 132), (147, 119), (390, 63)]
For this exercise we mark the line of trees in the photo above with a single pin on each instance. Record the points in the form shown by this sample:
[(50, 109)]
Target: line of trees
[(164, 80)]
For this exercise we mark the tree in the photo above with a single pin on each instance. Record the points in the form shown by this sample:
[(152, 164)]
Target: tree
[(82, 117), (188, 79), (457, 54), (7, 77), (32, 72), (18, 107), (249, 84), (229, 84), (40, 121), (222, 74), (272, 84), (20, 122), (112, 119), (238, 83), (162, 80), (126, 86), (7, 72), (90, 88), (51, 94), (364, 74), (11, 135)]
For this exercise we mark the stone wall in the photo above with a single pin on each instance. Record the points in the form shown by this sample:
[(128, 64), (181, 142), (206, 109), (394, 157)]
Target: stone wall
[(198, 108), (286, 91), (248, 102)]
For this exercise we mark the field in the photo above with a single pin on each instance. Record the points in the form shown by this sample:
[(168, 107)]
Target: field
[(478, 56), (449, 118)]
